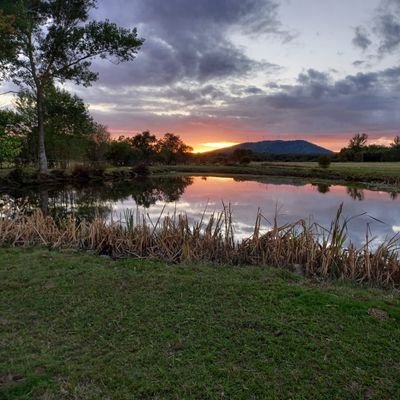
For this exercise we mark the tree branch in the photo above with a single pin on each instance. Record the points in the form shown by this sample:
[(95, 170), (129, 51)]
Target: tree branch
[(8, 92)]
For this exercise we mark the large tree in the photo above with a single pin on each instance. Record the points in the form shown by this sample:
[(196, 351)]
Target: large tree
[(358, 142), (172, 149), (45, 41), (145, 143)]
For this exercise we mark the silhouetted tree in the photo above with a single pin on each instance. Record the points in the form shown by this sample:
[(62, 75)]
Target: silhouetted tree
[(145, 143), (358, 142), (172, 149), (324, 161), (121, 152), (396, 143)]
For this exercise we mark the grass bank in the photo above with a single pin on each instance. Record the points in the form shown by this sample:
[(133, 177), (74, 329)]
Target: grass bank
[(302, 246), (373, 174), (379, 175), (77, 326)]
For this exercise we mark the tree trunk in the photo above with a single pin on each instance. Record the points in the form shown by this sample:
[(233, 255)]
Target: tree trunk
[(43, 167), (44, 201)]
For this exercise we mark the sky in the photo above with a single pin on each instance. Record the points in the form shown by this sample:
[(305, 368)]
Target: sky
[(217, 72)]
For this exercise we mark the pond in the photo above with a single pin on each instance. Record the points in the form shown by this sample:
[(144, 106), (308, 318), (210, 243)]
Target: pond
[(288, 200)]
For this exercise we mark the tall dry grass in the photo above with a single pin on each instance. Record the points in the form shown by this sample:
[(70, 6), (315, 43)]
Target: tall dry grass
[(319, 252)]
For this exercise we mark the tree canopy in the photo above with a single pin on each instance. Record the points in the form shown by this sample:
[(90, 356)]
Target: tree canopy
[(10, 140)]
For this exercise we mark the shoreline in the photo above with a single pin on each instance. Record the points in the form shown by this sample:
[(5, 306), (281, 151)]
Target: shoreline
[(365, 177)]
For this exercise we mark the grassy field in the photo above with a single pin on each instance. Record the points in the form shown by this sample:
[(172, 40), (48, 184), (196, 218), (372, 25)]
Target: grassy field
[(374, 174), (379, 175), (366, 168), (78, 326)]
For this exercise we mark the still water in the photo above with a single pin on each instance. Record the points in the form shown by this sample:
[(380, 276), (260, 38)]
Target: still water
[(289, 200)]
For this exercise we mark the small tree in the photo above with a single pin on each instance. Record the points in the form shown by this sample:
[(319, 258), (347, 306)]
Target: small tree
[(44, 41), (358, 142), (396, 143), (324, 161), (172, 149)]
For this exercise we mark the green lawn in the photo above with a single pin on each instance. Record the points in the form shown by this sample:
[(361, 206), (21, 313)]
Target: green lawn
[(78, 326), (367, 168), (384, 174)]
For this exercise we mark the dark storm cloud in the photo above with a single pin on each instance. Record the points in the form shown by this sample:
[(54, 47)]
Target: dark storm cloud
[(189, 39), (361, 101)]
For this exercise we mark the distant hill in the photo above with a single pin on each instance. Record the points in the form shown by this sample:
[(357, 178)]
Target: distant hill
[(279, 147)]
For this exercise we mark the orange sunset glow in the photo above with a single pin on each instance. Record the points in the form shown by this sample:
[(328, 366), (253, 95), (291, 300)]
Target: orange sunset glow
[(204, 147)]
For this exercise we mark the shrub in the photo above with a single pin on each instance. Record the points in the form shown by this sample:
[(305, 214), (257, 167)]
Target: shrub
[(16, 175), (58, 174), (141, 170), (86, 173), (324, 161)]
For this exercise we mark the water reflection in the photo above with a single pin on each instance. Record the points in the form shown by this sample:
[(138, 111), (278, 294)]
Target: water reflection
[(290, 200), (89, 201), (356, 194)]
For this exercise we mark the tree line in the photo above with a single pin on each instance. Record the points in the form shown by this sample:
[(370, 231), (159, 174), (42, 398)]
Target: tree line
[(359, 150)]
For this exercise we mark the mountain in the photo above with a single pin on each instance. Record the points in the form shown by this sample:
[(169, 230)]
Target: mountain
[(279, 147)]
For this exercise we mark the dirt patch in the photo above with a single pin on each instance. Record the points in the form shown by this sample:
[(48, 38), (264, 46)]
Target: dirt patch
[(10, 379), (378, 314)]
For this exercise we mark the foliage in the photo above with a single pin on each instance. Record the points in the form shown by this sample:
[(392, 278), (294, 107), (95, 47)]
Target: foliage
[(10, 141), (359, 151), (144, 148), (358, 141), (324, 161), (44, 41), (145, 144), (68, 126), (171, 149), (98, 143), (141, 170), (121, 153), (396, 143), (83, 172)]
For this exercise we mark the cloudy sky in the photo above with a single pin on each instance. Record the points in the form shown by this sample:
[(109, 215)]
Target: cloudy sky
[(217, 71)]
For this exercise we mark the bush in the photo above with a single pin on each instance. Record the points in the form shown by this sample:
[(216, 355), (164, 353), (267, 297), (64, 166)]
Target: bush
[(86, 173), (141, 170), (324, 161), (58, 174), (17, 175)]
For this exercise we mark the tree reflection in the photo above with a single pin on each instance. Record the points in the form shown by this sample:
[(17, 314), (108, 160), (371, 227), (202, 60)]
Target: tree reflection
[(86, 202), (355, 193), (323, 188)]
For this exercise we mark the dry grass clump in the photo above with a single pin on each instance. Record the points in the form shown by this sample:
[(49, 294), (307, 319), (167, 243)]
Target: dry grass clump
[(317, 251)]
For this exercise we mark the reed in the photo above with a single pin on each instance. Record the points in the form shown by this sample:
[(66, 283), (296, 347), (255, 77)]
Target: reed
[(318, 252)]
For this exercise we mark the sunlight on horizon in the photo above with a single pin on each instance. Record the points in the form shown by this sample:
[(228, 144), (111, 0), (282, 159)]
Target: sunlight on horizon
[(204, 147)]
